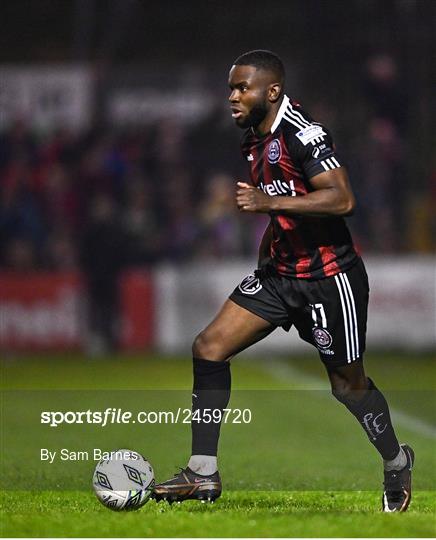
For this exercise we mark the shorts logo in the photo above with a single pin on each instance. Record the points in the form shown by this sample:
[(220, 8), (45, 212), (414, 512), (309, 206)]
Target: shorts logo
[(250, 285), (274, 151), (322, 338)]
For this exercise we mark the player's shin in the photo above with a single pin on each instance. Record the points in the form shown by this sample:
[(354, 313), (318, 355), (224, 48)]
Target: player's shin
[(372, 411), (210, 396)]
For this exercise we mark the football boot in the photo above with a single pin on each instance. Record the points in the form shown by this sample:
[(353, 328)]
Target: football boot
[(398, 485), (189, 485)]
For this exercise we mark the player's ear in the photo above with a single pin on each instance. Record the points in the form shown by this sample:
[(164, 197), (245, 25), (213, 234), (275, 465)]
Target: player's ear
[(274, 92)]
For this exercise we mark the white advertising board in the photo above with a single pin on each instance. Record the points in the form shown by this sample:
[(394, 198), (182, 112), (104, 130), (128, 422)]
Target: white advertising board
[(402, 310), (46, 97), (143, 106)]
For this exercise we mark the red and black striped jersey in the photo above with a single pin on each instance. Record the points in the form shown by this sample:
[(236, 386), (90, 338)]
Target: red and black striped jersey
[(281, 164)]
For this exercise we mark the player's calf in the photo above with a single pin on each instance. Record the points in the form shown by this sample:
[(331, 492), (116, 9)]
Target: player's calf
[(372, 412)]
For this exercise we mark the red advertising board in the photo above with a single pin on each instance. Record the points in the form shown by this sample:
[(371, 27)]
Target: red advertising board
[(40, 311), (45, 311)]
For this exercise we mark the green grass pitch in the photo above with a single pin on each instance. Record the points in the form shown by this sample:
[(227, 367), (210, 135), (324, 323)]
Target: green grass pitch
[(302, 467)]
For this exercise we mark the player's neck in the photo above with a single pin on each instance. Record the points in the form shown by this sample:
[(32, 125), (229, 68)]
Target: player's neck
[(265, 126)]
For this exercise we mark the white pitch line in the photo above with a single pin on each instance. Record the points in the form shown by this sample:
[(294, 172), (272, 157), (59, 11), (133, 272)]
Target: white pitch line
[(282, 371)]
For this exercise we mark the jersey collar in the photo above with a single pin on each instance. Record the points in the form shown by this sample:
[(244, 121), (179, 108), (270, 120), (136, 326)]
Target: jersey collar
[(280, 113)]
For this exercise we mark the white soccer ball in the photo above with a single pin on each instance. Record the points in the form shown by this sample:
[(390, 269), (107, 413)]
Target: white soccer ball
[(124, 480)]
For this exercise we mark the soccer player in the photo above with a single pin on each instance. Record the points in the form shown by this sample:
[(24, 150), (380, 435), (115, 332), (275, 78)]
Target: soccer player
[(309, 275)]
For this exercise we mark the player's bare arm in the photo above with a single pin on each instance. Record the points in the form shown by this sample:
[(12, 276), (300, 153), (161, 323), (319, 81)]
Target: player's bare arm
[(332, 196)]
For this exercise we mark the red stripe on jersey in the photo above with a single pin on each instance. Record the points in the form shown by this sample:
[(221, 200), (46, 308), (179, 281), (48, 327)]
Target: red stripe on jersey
[(296, 242), (302, 267), (256, 167), (328, 256)]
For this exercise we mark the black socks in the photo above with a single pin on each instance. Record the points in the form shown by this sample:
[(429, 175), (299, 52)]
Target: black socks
[(210, 395), (372, 411)]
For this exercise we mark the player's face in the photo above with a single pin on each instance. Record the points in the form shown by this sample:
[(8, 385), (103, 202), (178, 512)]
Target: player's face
[(249, 95)]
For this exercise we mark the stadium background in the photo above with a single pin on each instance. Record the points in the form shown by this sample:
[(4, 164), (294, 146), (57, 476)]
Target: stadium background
[(119, 238), (118, 152)]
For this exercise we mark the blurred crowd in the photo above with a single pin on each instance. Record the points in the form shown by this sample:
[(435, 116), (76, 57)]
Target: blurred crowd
[(108, 199), (112, 199)]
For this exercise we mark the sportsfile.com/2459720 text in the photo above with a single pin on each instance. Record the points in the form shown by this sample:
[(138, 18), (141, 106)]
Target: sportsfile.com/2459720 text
[(113, 415)]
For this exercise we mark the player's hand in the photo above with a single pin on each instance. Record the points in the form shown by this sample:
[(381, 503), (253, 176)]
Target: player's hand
[(251, 199)]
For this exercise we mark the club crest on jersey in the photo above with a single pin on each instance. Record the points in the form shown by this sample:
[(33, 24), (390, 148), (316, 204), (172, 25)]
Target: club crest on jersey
[(274, 151), (322, 338), (250, 285)]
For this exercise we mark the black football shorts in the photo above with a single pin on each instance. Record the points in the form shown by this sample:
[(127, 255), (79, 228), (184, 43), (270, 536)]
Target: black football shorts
[(329, 313)]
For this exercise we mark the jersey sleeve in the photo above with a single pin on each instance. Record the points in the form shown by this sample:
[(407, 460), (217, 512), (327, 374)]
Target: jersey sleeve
[(314, 151)]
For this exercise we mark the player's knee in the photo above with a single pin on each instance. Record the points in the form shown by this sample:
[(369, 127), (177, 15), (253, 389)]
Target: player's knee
[(207, 347), (349, 391)]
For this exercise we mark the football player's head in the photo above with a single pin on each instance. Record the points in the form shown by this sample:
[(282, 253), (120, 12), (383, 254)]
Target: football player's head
[(256, 81)]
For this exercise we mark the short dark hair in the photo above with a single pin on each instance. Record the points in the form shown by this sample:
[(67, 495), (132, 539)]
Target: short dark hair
[(262, 59)]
